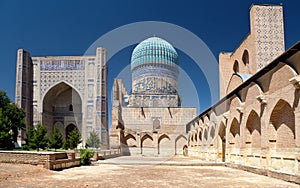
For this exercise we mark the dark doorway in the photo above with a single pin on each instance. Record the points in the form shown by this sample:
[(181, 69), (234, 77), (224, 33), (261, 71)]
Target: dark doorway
[(69, 129)]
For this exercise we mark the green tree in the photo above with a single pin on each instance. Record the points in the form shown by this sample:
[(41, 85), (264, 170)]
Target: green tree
[(74, 138), (93, 141), (56, 139), (11, 120), (6, 139), (4, 100), (16, 119), (37, 137)]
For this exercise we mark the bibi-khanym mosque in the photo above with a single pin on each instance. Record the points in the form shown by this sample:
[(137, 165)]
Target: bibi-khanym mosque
[(255, 124)]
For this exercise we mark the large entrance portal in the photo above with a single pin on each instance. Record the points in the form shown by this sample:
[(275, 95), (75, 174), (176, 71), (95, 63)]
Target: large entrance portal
[(62, 104)]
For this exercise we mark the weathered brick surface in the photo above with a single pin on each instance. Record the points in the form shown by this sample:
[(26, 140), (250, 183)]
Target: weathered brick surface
[(48, 160), (257, 128)]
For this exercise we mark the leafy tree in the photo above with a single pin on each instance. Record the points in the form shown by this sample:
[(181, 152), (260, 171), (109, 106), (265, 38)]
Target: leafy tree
[(74, 138), (93, 141), (5, 135), (11, 120), (56, 139), (37, 137), (4, 100), (16, 119)]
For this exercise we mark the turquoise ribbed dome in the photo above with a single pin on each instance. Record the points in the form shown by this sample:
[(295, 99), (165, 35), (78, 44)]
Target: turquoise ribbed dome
[(154, 50), (154, 67)]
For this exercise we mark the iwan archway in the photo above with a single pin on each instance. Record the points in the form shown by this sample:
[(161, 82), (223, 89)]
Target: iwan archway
[(62, 103)]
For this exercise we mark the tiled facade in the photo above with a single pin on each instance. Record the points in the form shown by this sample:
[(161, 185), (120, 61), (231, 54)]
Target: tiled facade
[(67, 91)]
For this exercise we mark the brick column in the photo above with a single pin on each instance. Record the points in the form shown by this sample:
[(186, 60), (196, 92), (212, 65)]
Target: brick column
[(264, 140), (295, 81), (297, 126), (138, 141)]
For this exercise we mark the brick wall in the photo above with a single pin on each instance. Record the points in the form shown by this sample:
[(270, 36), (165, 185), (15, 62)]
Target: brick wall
[(48, 160)]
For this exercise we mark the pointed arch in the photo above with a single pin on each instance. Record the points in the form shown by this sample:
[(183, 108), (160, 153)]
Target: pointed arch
[(56, 84), (180, 142), (245, 57), (234, 81), (283, 73), (252, 134), (282, 125), (253, 91), (236, 67), (164, 145), (130, 140), (234, 133), (145, 138), (56, 105), (163, 136)]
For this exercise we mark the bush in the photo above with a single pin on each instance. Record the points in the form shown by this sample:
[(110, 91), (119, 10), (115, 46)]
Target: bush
[(93, 141), (85, 156), (25, 147)]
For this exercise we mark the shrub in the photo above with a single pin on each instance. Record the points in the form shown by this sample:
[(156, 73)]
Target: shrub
[(85, 156), (25, 147), (93, 141)]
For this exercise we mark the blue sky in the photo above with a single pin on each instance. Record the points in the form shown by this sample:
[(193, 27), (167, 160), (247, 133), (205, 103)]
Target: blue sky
[(69, 27)]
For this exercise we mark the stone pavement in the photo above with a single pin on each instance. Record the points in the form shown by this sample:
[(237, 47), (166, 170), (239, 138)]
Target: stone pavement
[(166, 161), (136, 172)]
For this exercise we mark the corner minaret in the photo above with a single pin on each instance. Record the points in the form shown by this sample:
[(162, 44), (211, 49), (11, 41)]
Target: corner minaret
[(24, 88), (266, 24)]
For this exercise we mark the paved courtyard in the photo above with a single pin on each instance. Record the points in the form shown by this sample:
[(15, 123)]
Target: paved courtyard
[(135, 172)]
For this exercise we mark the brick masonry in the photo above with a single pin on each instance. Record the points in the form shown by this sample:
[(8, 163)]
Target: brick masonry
[(256, 124), (49, 160)]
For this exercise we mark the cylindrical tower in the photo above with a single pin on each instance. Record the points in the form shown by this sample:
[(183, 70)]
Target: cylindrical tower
[(154, 66)]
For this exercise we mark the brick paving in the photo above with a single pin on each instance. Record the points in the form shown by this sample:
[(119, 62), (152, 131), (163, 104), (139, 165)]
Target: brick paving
[(135, 172)]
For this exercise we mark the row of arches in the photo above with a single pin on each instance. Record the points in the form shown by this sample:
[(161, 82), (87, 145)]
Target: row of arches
[(256, 124), (270, 82), (280, 130), (155, 144)]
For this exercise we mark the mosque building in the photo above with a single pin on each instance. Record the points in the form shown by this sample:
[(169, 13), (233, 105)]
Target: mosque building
[(254, 126), (67, 91), (150, 121)]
